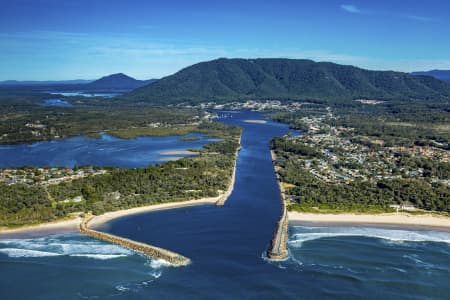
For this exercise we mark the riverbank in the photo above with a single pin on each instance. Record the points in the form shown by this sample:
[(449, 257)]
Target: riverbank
[(68, 226), (106, 217), (178, 152), (400, 219), (71, 226), (224, 197)]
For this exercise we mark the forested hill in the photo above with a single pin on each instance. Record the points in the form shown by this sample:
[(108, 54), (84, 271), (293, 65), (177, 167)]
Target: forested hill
[(116, 81), (239, 79)]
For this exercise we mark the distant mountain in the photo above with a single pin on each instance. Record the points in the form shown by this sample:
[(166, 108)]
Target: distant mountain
[(48, 82), (439, 74), (239, 79), (117, 81), (114, 82)]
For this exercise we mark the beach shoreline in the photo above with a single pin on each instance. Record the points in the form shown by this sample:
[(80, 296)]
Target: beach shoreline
[(389, 219), (106, 217), (73, 225), (178, 152), (43, 229)]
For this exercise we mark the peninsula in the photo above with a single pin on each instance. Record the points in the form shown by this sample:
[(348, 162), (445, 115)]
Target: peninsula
[(364, 166)]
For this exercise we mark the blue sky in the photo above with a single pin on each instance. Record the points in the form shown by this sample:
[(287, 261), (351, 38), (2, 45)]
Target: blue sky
[(62, 39)]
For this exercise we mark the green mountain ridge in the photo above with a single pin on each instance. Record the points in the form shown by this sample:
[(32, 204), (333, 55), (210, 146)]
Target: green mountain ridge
[(286, 79)]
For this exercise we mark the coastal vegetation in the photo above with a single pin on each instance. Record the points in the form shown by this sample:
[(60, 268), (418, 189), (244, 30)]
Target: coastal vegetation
[(224, 80), (311, 194), (367, 159), (205, 175), (23, 120)]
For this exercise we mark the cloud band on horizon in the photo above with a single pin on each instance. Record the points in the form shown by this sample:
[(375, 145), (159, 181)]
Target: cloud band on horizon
[(353, 9)]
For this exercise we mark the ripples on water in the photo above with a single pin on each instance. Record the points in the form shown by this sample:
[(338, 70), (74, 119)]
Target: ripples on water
[(76, 264), (392, 263), (56, 103), (104, 151), (225, 245), (324, 262)]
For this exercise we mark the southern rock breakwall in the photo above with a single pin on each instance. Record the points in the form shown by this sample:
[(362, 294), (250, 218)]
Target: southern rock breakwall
[(278, 245), (148, 250)]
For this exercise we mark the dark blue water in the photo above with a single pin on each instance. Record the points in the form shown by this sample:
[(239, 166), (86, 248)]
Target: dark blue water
[(56, 103), (227, 248), (104, 151)]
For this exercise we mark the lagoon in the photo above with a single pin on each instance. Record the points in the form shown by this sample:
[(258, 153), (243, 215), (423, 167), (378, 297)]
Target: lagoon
[(227, 246), (56, 103), (106, 151)]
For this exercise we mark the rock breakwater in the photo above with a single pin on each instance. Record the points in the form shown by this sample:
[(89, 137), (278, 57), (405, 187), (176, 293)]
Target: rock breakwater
[(148, 250)]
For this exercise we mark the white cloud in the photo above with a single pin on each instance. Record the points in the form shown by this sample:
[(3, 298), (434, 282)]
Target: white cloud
[(92, 55), (351, 8)]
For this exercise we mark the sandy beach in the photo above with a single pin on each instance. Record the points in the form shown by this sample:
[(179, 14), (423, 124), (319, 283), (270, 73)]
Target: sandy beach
[(256, 121), (67, 226), (401, 219), (178, 152), (98, 220), (56, 227), (72, 225)]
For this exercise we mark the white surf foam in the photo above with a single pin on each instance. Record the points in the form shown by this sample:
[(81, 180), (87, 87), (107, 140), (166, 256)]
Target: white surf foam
[(62, 245), (93, 248), (304, 234), (159, 263), (15, 252), (99, 256)]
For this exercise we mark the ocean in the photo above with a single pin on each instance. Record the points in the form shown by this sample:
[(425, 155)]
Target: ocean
[(227, 247)]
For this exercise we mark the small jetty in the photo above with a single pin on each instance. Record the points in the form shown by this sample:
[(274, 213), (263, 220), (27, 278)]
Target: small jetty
[(148, 250), (278, 245)]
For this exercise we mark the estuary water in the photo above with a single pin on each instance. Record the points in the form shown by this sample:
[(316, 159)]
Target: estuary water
[(56, 103), (106, 151), (227, 246)]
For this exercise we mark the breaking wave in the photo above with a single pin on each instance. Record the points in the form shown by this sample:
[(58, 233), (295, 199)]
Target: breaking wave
[(303, 234), (100, 256), (15, 252), (63, 245), (159, 263)]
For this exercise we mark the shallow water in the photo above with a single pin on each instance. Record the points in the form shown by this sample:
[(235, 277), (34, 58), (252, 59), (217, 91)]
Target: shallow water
[(104, 151), (56, 103), (227, 247)]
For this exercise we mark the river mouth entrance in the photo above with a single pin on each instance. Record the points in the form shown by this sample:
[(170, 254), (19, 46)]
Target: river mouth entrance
[(226, 240), (227, 246)]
